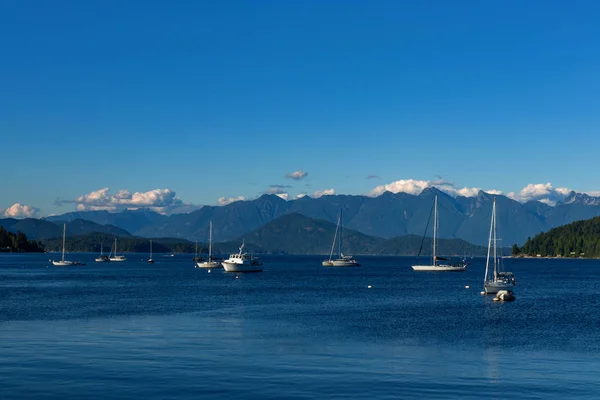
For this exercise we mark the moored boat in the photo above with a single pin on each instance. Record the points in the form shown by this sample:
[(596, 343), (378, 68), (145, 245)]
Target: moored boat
[(458, 266), (210, 262), (242, 262), (498, 280), (62, 262)]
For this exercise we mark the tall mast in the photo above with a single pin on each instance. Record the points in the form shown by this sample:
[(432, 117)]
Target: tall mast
[(495, 228), (487, 263), (210, 243), (64, 236), (340, 237), (151, 249), (334, 238), (434, 227)]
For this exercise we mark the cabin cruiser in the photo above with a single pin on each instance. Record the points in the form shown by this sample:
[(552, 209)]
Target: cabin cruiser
[(242, 262)]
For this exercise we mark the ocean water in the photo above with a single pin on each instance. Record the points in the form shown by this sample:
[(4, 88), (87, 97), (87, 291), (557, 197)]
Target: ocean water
[(297, 330)]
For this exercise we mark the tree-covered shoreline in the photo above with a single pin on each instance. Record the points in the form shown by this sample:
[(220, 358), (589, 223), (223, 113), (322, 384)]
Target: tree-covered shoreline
[(578, 239), (18, 243)]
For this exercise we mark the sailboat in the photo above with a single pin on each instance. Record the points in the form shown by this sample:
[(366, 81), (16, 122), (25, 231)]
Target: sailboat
[(196, 258), (103, 257), (343, 260), (209, 263), (151, 260), (62, 262), (115, 257), (456, 267), (499, 280)]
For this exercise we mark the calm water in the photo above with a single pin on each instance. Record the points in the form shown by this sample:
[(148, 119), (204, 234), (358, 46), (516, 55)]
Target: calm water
[(295, 331)]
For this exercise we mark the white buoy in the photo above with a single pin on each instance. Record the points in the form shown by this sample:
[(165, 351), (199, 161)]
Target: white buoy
[(369, 287), (467, 287), (209, 271), (483, 293)]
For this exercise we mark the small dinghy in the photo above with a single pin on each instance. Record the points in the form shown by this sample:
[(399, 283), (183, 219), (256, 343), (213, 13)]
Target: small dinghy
[(504, 295)]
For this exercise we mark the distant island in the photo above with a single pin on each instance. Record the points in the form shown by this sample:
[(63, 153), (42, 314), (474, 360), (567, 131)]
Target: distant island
[(577, 239), (18, 243)]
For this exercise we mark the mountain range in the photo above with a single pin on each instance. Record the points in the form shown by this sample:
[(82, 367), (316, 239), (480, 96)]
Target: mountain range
[(386, 216), (289, 234)]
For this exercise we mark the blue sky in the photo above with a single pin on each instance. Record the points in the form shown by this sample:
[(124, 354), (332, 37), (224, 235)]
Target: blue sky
[(186, 103)]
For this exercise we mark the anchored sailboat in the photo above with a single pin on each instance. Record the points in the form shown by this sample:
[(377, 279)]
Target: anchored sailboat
[(151, 260), (210, 262), (62, 262), (115, 257), (457, 267), (499, 280), (343, 260), (103, 257)]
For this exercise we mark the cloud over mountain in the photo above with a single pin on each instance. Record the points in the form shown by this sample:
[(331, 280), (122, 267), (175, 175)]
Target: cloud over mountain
[(543, 192), (223, 201), (18, 210), (163, 201), (326, 192)]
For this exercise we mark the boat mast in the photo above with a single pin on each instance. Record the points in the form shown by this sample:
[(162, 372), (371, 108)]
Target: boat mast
[(340, 237), (64, 236), (151, 249), (495, 253), (487, 263), (334, 238), (210, 243), (434, 227)]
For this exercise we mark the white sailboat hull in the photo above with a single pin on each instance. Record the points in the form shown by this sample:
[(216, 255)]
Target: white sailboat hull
[(327, 263), (245, 267), (344, 263), (493, 287), (63, 263), (208, 264), (117, 258), (440, 268)]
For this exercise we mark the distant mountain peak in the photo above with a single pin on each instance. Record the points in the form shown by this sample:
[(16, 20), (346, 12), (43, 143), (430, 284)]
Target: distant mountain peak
[(581, 198), (432, 191)]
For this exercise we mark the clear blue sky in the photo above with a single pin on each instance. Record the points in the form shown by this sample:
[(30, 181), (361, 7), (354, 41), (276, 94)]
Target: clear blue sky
[(215, 99)]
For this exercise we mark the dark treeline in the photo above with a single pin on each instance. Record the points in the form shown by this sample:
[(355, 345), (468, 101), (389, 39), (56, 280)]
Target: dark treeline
[(95, 242), (578, 239), (18, 242)]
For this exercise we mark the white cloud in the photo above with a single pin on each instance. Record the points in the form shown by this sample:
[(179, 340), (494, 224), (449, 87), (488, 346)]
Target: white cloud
[(415, 186), (283, 195), (300, 195), (326, 192), (223, 201), (18, 210), (410, 186), (296, 175), (543, 192), (163, 201)]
